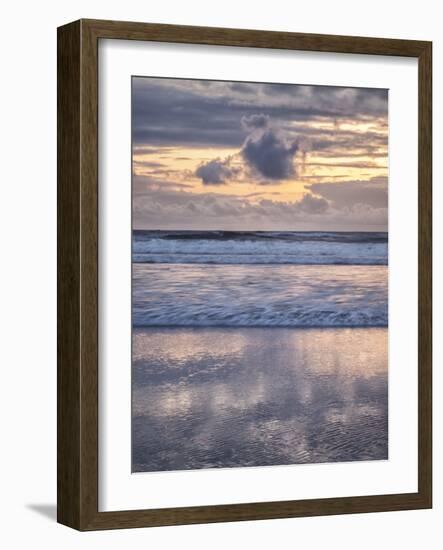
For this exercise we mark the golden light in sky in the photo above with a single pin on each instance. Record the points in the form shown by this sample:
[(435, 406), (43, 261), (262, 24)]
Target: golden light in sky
[(255, 146)]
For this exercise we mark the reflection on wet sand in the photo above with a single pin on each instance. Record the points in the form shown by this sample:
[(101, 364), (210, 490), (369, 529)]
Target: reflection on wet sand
[(221, 397)]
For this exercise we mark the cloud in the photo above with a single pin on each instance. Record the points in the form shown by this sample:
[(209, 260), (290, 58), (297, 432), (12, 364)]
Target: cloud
[(148, 164), (313, 205), (266, 129), (181, 112), (216, 171), (158, 205), (373, 193), (254, 122), (241, 87), (267, 150)]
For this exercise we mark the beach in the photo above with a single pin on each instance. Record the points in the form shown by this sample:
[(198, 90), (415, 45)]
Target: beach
[(231, 397), (258, 348)]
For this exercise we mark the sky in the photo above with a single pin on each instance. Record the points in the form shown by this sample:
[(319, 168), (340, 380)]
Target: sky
[(258, 156)]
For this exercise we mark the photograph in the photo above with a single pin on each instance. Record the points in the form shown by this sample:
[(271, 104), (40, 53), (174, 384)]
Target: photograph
[(259, 274)]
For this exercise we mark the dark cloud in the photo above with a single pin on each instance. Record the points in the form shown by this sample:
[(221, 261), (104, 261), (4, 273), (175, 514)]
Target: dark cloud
[(166, 112), (255, 122), (333, 100), (216, 171), (196, 113), (340, 143), (267, 150), (337, 141)]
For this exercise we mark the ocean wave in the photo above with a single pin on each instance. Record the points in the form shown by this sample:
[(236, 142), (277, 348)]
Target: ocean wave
[(325, 236), (260, 248)]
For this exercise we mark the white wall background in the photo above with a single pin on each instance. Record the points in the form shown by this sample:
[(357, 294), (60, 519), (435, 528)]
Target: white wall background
[(28, 271)]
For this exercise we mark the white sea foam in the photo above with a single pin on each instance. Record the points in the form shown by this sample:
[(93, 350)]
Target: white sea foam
[(260, 248), (259, 295)]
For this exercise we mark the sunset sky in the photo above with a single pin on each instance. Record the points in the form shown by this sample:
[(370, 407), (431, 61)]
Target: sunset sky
[(251, 156)]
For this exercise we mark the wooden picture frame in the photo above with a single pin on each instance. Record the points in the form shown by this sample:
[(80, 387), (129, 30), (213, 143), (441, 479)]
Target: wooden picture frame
[(78, 274)]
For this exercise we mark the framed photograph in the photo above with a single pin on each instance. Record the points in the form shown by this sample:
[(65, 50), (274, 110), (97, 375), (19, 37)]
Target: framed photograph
[(244, 275)]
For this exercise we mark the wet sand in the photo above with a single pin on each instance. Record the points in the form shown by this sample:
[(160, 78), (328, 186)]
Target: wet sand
[(234, 397)]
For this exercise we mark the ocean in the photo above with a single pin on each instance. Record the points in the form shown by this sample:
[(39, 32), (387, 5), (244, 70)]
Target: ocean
[(240, 279), (258, 348)]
